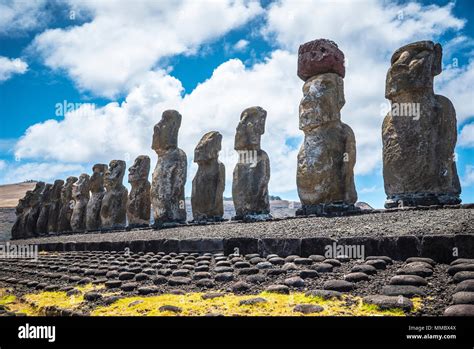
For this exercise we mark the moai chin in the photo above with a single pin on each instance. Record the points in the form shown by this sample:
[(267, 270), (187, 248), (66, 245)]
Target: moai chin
[(325, 169), (419, 132), (55, 206), (67, 204), (80, 196), (113, 211), (139, 201), (252, 171), (45, 205), (209, 182), (97, 190), (33, 210), (169, 176)]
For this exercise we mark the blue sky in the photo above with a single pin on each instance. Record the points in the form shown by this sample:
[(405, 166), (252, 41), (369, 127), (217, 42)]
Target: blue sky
[(131, 60)]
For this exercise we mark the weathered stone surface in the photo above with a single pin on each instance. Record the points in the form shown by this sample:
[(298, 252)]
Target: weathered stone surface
[(252, 171), (419, 133), (114, 204), (460, 310), (65, 213), (55, 205), (403, 290), (33, 210), (463, 298), (97, 195), (413, 280), (139, 200), (308, 308), (18, 228), (389, 302), (209, 182), (80, 195), (318, 57), (45, 204), (325, 169), (338, 285), (169, 176), (324, 294)]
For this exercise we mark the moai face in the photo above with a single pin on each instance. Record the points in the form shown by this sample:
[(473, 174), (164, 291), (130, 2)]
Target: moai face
[(250, 129), (66, 190), (208, 147), (37, 191), (46, 193), (81, 187), (413, 68), (114, 175), (97, 179), (56, 189), (323, 99), (139, 170), (165, 135)]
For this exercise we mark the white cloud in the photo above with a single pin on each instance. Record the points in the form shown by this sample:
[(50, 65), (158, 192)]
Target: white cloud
[(241, 45), (466, 137), (124, 40), (468, 178), (11, 66), (125, 131), (3, 165), (19, 16), (44, 171)]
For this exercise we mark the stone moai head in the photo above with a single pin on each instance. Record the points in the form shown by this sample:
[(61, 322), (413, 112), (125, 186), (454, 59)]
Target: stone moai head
[(81, 186), (56, 189), (165, 134), (413, 68), (250, 129), (208, 147), (24, 202), (139, 170), (96, 182), (37, 192), (323, 99), (66, 190), (114, 175), (46, 193)]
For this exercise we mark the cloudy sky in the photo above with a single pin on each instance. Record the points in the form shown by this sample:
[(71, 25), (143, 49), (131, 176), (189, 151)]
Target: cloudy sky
[(83, 82)]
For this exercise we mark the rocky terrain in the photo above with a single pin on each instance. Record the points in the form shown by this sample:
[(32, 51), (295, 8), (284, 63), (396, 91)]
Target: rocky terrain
[(127, 283)]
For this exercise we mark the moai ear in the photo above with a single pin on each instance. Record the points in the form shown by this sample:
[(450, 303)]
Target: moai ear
[(437, 60)]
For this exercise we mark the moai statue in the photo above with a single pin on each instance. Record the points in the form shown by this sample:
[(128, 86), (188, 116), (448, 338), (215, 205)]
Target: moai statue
[(18, 229), (45, 205), (97, 189), (113, 212), (139, 200), (419, 132), (209, 182), (33, 210), (325, 169), (55, 206), (169, 177), (80, 195), (252, 171), (67, 204)]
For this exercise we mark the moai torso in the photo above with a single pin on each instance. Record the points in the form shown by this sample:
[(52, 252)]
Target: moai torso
[(169, 176), (64, 220), (419, 133), (55, 206), (18, 229), (113, 212), (94, 204), (139, 202), (252, 171), (45, 205), (209, 181), (325, 169), (80, 195)]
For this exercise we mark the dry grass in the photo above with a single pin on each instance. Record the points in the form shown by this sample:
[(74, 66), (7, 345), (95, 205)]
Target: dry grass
[(11, 193)]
